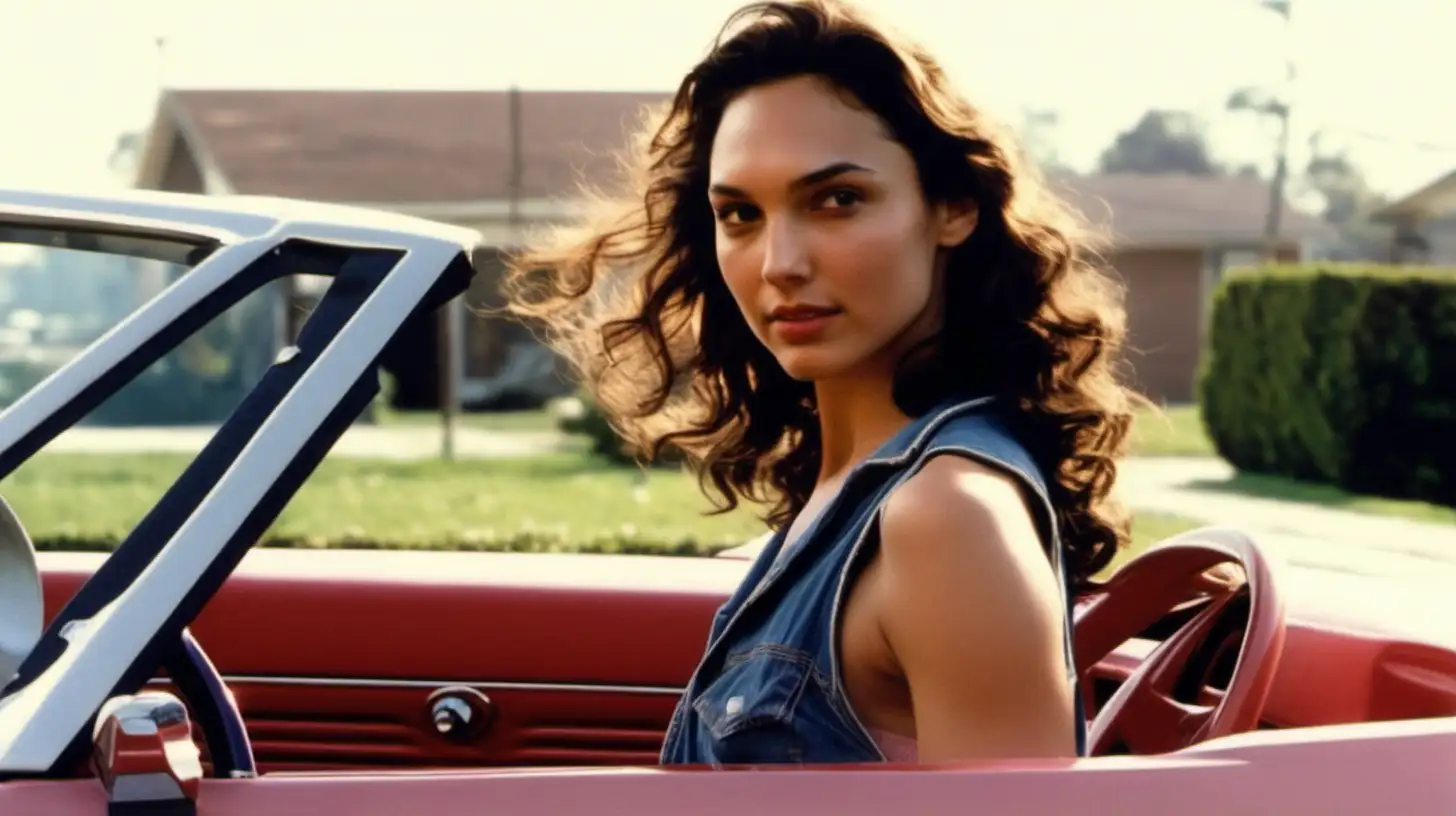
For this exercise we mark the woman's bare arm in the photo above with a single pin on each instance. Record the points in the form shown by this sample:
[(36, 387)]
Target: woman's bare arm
[(972, 613)]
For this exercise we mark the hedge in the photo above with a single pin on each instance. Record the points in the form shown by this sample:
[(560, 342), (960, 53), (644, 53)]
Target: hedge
[(1339, 374)]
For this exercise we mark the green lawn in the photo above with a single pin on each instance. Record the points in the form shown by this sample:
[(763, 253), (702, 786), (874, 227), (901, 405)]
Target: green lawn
[(1176, 430), (1149, 529), (558, 501), (543, 501)]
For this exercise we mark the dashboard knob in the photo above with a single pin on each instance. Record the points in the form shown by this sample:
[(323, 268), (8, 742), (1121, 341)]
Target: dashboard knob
[(460, 713)]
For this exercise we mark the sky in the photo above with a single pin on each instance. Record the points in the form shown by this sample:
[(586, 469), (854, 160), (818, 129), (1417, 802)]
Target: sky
[(1374, 76)]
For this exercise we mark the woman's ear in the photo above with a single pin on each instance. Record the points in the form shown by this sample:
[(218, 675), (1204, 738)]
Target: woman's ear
[(958, 220)]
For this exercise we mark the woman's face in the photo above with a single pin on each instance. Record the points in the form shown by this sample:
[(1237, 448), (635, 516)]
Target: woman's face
[(824, 236)]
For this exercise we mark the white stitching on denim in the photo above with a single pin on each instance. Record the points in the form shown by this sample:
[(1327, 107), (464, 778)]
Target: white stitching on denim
[(807, 673), (680, 711)]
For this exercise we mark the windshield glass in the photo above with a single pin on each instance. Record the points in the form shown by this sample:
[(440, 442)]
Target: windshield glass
[(55, 302)]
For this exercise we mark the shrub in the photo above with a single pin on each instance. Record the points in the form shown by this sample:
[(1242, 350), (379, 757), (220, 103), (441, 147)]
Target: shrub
[(586, 419), (518, 541), (17, 377), (1338, 374)]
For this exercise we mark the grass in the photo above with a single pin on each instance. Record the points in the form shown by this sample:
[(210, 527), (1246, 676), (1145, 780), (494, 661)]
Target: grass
[(1149, 529), (556, 501), (1176, 431), (1282, 489), (431, 503), (1179, 431)]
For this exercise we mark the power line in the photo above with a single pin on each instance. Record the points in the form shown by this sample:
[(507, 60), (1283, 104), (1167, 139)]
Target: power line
[(1417, 144)]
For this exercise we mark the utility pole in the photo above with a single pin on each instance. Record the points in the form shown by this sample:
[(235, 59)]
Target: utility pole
[(1264, 103), (447, 321), (452, 315), (517, 170), (1281, 109)]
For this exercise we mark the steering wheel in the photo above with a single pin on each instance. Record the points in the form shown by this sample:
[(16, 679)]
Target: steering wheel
[(1144, 714), (214, 706)]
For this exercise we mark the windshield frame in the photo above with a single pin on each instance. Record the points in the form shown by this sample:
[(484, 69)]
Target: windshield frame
[(107, 639)]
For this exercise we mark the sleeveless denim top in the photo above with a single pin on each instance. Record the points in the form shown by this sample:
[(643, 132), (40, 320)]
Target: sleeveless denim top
[(769, 688)]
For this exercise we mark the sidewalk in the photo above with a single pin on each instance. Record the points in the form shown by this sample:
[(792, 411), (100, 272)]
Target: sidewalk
[(360, 441), (1303, 535)]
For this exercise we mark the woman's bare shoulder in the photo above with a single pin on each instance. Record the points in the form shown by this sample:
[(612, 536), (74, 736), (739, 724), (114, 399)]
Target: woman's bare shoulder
[(954, 496), (971, 610)]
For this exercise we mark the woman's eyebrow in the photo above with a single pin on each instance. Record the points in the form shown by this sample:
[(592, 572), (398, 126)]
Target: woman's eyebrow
[(807, 180)]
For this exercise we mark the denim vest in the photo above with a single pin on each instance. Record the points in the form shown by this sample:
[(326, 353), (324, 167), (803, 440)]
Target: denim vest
[(769, 687)]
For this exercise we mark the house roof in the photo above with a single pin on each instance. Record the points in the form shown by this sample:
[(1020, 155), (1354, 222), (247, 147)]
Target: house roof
[(404, 146), (1431, 201), (444, 147), (1175, 208)]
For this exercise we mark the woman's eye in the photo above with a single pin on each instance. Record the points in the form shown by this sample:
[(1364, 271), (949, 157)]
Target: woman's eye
[(839, 199), (736, 214)]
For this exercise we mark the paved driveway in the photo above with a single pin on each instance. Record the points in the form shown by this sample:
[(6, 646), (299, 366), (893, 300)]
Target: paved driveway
[(1301, 534)]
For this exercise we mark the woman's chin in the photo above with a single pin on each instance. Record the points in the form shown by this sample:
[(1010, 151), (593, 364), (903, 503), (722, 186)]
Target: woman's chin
[(808, 363)]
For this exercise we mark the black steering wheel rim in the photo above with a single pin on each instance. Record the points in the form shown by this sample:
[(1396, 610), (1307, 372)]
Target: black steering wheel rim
[(214, 708)]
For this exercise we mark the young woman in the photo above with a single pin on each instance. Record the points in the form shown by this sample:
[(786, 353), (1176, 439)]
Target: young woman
[(837, 290)]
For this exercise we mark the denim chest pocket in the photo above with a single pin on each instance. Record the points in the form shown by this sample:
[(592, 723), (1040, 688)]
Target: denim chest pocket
[(748, 711)]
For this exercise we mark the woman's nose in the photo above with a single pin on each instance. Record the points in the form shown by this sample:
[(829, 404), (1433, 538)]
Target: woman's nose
[(785, 256)]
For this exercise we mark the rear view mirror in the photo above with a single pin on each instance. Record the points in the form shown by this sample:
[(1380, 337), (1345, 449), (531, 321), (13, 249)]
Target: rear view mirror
[(22, 611)]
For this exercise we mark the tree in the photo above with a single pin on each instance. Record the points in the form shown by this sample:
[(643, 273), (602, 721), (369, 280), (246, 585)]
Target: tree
[(126, 155), (1162, 141), (1039, 139), (1348, 200), (1339, 182)]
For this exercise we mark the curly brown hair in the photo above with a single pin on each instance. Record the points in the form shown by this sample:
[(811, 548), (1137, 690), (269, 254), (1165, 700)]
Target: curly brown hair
[(634, 299)]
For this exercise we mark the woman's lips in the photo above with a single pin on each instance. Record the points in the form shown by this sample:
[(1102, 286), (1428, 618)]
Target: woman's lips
[(801, 324)]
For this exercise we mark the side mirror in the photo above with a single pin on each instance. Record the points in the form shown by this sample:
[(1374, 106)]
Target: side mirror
[(144, 755), (22, 608)]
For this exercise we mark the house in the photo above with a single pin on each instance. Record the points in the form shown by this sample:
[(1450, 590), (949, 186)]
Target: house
[(1424, 224), (506, 161), (1173, 238), (497, 162)]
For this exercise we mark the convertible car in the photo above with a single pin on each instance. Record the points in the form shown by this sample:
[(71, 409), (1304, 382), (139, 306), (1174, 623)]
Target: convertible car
[(186, 672)]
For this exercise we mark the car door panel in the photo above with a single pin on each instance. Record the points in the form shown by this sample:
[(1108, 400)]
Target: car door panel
[(334, 657)]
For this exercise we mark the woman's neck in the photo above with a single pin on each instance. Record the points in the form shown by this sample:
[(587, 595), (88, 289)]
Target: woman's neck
[(856, 416)]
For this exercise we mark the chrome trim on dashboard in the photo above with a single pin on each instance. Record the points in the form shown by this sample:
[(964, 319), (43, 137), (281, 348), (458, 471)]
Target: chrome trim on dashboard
[(482, 685)]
